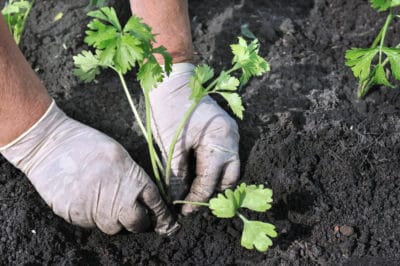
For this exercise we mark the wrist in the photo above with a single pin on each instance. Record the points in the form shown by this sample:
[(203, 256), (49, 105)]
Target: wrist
[(178, 56), (20, 119)]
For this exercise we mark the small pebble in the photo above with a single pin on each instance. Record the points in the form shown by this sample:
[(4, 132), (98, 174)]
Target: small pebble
[(346, 230), (336, 229)]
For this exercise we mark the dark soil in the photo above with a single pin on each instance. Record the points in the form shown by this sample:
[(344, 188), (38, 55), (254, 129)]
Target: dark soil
[(331, 159)]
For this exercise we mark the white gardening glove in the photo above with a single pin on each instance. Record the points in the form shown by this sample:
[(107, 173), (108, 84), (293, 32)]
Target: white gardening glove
[(210, 132), (86, 177)]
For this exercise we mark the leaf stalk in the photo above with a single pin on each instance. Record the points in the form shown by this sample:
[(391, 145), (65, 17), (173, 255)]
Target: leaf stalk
[(150, 145), (175, 138), (196, 203), (138, 119), (384, 30)]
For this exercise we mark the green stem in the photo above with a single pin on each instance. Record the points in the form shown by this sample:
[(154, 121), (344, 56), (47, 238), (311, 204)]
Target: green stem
[(137, 117), (20, 29), (377, 39), (215, 81), (365, 85), (132, 105), (244, 219), (197, 203), (159, 164), (175, 140), (150, 145), (384, 30)]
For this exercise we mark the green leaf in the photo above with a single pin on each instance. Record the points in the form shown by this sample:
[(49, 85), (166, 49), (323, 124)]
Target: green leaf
[(380, 76), (100, 35), (123, 49), (257, 234), (97, 3), (380, 5), (359, 60), (395, 3), (106, 56), (128, 52), (149, 74), (16, 7), (133, 48), (167, 58), (235, 103), (225, 205), (140, 30), (86, 66), (198, 91), (226, 82), (383, 5), (394, 58), (246, 57), (256, 198), (15, 13), (107, 14), (201, 75)]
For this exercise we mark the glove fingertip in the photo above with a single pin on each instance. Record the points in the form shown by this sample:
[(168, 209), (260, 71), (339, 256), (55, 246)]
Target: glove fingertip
[(188, 209), (167, 229)]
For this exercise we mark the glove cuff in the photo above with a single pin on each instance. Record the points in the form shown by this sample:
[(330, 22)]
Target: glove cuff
[(178, 69), (15, 141), (31, 140), (182, 68)]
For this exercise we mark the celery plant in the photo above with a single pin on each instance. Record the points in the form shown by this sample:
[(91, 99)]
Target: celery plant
[(369, 65)]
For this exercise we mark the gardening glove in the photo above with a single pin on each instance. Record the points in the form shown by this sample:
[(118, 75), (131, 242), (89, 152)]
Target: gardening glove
[(86, 177), (210, 132)]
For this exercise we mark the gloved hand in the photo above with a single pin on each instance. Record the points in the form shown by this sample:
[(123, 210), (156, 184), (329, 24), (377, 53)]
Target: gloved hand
[(210, 132), (86, 177)]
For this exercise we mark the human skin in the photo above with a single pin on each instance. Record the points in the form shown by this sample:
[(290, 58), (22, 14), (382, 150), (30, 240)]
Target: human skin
[(23, 98), (169, 20)]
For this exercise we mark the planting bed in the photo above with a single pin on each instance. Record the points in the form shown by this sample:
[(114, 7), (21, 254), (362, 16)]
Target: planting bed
[(331, 159)]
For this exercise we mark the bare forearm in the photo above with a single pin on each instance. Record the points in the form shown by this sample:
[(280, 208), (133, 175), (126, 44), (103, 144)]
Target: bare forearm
[(23, 98), (169, 20)]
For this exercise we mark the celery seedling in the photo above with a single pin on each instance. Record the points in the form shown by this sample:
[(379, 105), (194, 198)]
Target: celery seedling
[(121, 49), (369, 65), (15, 13), (257, 198), (245, 60)]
